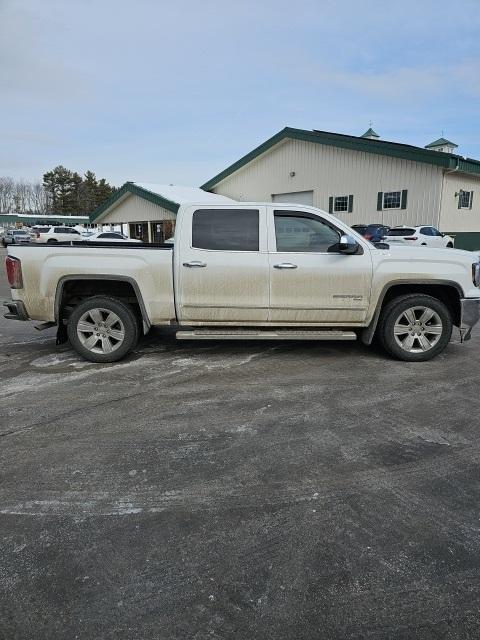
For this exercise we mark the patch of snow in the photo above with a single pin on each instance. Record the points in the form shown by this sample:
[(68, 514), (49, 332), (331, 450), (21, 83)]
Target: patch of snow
[(126, 508), (243, 428), (54, 360)]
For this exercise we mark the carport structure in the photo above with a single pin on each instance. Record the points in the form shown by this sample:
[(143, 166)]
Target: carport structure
[(149, 211)]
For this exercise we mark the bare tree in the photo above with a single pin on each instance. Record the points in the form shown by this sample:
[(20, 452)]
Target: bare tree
[(7, 188), (39, 198), (22, 196)]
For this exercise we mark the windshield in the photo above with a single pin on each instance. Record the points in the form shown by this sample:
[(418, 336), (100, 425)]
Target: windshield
[(372, 228)]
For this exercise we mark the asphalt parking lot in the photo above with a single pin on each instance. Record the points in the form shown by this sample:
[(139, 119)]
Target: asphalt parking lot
[(226, 490)]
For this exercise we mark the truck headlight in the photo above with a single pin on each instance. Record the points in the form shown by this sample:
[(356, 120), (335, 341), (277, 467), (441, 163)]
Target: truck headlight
[(476, 273)]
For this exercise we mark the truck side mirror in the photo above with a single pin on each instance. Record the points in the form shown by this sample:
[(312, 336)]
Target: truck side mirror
[(347, 245)]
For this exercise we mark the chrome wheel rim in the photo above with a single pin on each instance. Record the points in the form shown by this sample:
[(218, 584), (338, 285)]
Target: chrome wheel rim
[(418, 329), (100, 331)]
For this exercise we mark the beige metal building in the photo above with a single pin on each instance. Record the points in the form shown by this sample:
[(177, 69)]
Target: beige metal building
[(148, 212), (362, 180)]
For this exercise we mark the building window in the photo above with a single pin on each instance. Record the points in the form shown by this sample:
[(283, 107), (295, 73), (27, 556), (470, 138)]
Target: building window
[(465, 199), (340, 204), (392, 199)]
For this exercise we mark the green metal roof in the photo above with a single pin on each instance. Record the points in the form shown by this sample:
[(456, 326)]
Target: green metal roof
[(439, 143), (355, 143), (43, 218), (369, 132), (130, 187)]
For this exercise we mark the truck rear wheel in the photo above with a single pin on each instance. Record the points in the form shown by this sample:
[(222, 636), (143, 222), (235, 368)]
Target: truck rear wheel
[(415, 327), (102, 329)]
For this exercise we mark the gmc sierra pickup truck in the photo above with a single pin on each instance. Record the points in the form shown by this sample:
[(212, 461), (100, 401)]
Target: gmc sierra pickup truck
[(248, 271)]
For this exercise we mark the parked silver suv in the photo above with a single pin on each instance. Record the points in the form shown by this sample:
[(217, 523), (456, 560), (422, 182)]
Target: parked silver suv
[(16, 236)]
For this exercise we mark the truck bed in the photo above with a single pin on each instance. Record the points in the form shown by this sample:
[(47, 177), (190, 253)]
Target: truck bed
[(47, 267)]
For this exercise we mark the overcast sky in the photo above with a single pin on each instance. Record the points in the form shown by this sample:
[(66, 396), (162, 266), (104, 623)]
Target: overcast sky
[(173, 92)]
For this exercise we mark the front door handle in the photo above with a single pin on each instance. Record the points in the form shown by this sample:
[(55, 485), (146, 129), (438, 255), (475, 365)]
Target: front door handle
[(195, 263), (285, 265)]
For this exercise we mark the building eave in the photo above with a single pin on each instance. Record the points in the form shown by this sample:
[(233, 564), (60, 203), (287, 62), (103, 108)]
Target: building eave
[(354, 143)]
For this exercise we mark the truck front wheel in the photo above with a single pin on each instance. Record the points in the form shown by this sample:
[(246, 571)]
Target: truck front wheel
[(415, 327), (102, 329)]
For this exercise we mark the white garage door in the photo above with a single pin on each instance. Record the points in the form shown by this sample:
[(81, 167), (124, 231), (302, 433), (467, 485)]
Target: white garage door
[(298, 197)]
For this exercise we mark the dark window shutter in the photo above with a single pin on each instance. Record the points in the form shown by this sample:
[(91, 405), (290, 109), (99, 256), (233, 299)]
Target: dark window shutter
[(471, 199), (330, 204), (404, 199), (380, 201), (350, 204), (459, 199)]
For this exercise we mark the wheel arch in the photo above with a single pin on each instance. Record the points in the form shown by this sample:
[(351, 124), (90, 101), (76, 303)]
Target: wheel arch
[(71, 285), (447, 291)]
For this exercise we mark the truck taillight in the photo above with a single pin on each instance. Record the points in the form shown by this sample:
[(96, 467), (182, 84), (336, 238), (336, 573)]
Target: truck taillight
[(14, 272)]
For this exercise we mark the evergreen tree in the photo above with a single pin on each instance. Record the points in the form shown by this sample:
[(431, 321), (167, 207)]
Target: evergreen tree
[(90, 191), (69, 194)]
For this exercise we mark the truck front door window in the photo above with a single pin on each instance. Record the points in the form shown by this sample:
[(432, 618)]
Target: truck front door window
[(304, 234), (225, 229)]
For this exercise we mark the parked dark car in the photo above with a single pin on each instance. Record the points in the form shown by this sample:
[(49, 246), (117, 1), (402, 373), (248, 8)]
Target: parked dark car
[(360, 228), (372, 232), (16, 236)]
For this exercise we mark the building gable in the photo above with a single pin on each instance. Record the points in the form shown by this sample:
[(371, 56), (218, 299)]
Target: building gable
[(129, 188)]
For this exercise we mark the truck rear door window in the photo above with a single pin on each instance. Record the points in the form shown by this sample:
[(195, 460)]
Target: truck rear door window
[(226, 229)]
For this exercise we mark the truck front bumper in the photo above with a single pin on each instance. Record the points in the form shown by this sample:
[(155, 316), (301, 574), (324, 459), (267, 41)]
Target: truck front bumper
[(469, 316), (16, 310)]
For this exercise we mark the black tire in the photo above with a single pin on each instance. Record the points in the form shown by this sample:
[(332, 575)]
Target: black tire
[(127, 323), (449, 245), (393, 312), (51, 241)]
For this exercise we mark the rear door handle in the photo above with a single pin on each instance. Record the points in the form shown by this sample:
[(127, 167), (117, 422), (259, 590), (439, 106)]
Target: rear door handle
[(285, 265), (195, 263)]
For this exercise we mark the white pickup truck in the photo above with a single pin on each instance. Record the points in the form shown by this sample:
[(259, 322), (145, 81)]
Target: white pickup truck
[(248, 271)]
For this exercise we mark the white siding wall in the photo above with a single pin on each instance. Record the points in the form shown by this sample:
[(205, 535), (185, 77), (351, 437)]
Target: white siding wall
[(331, 171), (136, 209), (452, 218)]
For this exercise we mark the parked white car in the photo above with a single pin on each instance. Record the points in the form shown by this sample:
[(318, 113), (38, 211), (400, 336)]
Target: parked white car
[(56, 234), (109, 236), (424, 236)]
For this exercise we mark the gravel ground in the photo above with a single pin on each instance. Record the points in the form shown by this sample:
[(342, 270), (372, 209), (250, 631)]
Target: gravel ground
[(225, 490)]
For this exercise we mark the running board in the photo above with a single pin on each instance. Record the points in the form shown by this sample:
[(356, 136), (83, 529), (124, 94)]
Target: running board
[(258, 334)]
